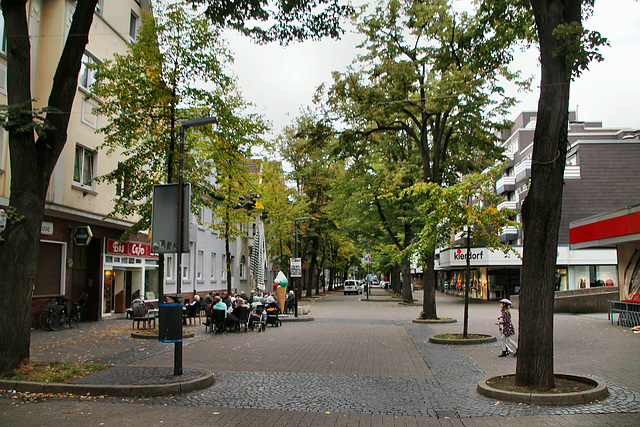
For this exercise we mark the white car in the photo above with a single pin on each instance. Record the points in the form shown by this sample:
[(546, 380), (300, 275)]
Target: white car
[(352, 287)]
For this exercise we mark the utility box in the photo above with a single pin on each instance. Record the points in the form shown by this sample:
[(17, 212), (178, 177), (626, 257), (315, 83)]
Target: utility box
[(170, 322)]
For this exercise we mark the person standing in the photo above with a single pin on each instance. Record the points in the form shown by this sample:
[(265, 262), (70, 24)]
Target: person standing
[(506, 328)]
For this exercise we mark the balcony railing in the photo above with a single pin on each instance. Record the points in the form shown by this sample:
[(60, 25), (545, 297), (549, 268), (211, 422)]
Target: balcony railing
[(571, 172), (523, 171), (508, 204), (508, 234), (505, 184)]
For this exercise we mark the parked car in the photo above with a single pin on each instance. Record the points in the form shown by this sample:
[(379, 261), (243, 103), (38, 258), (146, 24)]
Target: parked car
[(352, 287), (384, 284)]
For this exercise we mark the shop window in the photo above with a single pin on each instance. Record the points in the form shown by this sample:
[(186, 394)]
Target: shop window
[(50, 274), (84, 167)]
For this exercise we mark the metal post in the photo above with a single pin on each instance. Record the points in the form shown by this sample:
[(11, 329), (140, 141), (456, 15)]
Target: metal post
[(177, 356), (295, 255)]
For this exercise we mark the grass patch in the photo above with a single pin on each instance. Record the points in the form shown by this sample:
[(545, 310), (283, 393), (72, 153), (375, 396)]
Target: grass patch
[(52, 372)]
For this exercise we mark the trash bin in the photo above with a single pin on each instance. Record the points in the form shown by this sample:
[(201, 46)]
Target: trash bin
[(170, 323)]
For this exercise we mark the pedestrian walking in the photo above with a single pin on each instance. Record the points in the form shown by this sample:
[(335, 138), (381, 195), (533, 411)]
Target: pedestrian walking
[(506, 328)]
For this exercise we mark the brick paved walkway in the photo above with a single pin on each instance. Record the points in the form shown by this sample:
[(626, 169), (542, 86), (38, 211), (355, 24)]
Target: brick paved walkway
[(359, 363)]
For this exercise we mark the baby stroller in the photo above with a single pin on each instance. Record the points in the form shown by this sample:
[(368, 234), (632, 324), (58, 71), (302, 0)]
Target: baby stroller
[(258, 318), (272, 314)]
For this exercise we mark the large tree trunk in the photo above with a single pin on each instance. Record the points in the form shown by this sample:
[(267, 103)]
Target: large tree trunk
[(407, 295), (32, 163), (429, 289), (542, 208), (395, 280)]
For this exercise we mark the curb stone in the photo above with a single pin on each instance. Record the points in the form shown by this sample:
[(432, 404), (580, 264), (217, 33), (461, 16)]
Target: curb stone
[(179, 387), (599, 392)]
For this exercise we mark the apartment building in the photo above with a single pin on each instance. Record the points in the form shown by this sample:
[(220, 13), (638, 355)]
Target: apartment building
[(601, 175), (80, 250)]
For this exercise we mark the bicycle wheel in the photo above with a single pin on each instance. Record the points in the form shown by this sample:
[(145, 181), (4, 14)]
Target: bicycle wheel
[(54, 321), (63, 319), (44, 320), (74, 318)]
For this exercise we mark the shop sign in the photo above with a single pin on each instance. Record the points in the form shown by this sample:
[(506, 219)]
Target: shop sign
[(296, 267), (46, 228), (142, 250), (83, 235)]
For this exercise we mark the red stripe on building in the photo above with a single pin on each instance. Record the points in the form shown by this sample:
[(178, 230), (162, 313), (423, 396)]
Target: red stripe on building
[(606, 228)]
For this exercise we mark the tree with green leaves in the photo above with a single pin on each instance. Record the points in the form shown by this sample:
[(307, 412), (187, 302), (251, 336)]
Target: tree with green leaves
[(173, 71), (468, 206), (291, 20), (305, 146), (34, 149), (432, 75)]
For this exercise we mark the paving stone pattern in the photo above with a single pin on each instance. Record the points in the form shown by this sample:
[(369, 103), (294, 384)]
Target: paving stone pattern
[(356, 358)]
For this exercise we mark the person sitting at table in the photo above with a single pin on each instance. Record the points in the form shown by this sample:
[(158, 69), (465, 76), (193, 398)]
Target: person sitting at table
[(219, 305), (270, 299), (290, 301)]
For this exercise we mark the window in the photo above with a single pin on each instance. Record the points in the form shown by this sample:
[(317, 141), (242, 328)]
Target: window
[(3, 34), (224, 267), (2, 138), (123, 185), (243, 269), (84, 168), (199, 262), (170, 268), (100, 7), (213, 266), (3, 79), (87, 76), (134, 22), (185, 265), (87, 116)]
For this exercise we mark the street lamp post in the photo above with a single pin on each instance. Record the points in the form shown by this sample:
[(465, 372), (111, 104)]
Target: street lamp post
[(298, 285), (177, 361)]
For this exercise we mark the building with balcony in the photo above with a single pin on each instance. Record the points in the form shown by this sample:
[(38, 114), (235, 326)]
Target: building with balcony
[(601, 175)]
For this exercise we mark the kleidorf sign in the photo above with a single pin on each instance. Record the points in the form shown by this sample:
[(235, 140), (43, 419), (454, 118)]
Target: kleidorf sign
[(478, 257), (143, 250)]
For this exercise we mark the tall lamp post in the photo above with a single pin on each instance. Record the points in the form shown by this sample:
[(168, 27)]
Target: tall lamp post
[(177, 360), (298, 285)]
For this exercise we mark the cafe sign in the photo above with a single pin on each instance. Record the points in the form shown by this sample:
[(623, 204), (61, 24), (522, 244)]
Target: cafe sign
[(116, 247), (83, 235)]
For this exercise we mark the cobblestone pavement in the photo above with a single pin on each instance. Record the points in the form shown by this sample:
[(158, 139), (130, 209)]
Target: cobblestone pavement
[(359, 363)]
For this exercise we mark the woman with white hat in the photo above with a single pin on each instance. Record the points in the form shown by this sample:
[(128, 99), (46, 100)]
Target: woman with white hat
[(506, 328)]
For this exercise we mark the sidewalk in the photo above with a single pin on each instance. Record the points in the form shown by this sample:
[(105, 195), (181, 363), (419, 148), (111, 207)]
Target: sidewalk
[(359, 363)]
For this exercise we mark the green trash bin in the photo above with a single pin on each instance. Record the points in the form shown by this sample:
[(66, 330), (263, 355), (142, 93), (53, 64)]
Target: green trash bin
[(170, 323)]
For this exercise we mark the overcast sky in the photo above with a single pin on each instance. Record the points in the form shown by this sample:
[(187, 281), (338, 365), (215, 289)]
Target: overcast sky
[(282, 80)]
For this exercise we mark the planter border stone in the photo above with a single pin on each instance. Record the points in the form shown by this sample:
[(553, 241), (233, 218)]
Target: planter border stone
[(598, 392), (435, 321), (485, 339)]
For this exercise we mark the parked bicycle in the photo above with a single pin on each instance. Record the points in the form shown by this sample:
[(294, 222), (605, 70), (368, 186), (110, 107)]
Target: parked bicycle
[(57, 315)]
